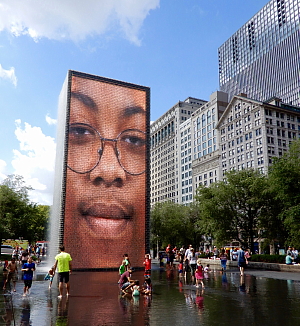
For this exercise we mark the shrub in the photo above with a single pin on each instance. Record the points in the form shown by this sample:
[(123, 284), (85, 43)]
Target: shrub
[(4, 257), (202, 255), (279, 259)]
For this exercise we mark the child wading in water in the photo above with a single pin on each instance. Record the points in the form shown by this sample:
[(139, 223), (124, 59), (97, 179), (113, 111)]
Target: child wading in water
[(122, 269), (147, 264), (180, 268), (50, 276), (199, 274), (147, 286), (136, 288)]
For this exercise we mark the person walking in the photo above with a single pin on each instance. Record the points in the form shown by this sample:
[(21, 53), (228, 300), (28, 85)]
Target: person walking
[(199, 274), (63, 262), (28, 269), (241, 260), (12, 274), (25, 256), (193, 264), (223, 258), (216, 252)]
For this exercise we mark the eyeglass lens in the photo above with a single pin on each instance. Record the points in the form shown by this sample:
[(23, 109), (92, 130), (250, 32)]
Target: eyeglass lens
[(86, 146)]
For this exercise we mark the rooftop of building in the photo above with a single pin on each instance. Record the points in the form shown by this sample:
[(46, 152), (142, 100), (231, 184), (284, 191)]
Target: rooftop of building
[(274, 102)]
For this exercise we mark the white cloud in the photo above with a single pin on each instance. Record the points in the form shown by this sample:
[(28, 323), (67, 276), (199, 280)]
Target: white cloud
[(50, 121), (35, 161), (8, 74), (74, 20)]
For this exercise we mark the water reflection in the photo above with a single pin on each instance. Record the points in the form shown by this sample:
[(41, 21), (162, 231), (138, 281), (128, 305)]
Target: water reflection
[(7, 317), (62, 311), (25, 314), (96, 300), (228, 299)]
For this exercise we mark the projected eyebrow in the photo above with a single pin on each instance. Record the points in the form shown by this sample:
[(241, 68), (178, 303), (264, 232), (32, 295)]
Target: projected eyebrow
[(129, 111), (90, 103), (85, 99)]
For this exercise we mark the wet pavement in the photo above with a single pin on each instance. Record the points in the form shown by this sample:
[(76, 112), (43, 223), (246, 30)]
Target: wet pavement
[(258, 298)]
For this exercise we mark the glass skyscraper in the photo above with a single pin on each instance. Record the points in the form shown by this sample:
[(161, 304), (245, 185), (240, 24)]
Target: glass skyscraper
[(262, 59)]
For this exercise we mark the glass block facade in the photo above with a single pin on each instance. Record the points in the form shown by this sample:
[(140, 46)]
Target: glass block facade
[(262, 58)]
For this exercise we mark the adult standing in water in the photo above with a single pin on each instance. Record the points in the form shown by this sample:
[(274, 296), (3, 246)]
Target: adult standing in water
[(241, 260), (63, 262)]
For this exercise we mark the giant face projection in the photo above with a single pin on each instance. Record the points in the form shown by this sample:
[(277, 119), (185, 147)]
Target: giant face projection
[(106, 174)]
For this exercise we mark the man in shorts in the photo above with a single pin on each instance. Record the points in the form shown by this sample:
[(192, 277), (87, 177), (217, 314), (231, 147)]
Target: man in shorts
[(242, 260), (12, 274), (63, 262), (28, 269)]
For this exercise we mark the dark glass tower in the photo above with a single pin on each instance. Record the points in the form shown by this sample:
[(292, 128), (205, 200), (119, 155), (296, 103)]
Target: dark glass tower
[(262, 59)]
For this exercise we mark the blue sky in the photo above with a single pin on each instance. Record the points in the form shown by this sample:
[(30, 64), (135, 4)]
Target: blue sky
[(169, 45)]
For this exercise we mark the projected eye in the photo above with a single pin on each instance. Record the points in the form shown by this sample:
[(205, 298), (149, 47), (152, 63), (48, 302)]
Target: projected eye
[(81, 134), (133, 140)]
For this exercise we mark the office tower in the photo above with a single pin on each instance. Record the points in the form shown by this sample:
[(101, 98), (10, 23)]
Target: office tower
[(166, 150), (262, 58), (205, 147)]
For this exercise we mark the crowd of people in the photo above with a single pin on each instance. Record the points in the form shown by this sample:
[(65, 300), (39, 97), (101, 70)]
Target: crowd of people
[(188, 266), (292, 256), (189, 260), (23, 257), (25, 260)]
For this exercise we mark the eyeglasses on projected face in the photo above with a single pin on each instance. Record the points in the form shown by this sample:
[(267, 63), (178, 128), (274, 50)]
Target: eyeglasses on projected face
[(86, 147)]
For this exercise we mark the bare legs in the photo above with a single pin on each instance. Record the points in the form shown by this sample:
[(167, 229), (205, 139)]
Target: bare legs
[(61, 288)]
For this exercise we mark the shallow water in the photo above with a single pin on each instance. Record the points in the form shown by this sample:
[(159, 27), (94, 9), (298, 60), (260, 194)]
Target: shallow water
[(258, 298)]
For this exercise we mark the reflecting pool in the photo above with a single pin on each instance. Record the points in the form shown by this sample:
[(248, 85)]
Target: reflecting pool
[(257, 298)]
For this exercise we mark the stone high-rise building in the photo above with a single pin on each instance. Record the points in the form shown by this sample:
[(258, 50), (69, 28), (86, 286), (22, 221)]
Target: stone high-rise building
[(166, 149)]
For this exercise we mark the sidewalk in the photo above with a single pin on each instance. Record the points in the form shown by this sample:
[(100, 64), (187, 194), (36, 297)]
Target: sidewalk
[(251, 265)]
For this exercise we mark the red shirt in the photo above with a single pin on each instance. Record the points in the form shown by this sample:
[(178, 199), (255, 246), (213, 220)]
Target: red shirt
[(147, 263)]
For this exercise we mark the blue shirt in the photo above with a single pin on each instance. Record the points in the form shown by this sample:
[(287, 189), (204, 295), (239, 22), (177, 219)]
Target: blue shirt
[(241, 256), (28, 275)]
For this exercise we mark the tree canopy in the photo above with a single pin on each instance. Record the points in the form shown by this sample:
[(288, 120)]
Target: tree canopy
[(232, 209), (18, 216), (174, 223), (284, 177)]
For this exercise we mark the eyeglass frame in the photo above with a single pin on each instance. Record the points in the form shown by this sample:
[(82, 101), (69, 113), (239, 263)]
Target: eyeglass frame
[(102, 139)]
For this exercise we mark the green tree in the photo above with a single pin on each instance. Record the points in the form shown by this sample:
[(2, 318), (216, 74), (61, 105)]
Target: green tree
[(285, 181), (12, 207), (231, 209), (170, 223), (18, 216), (271, 227), (37, 218)]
